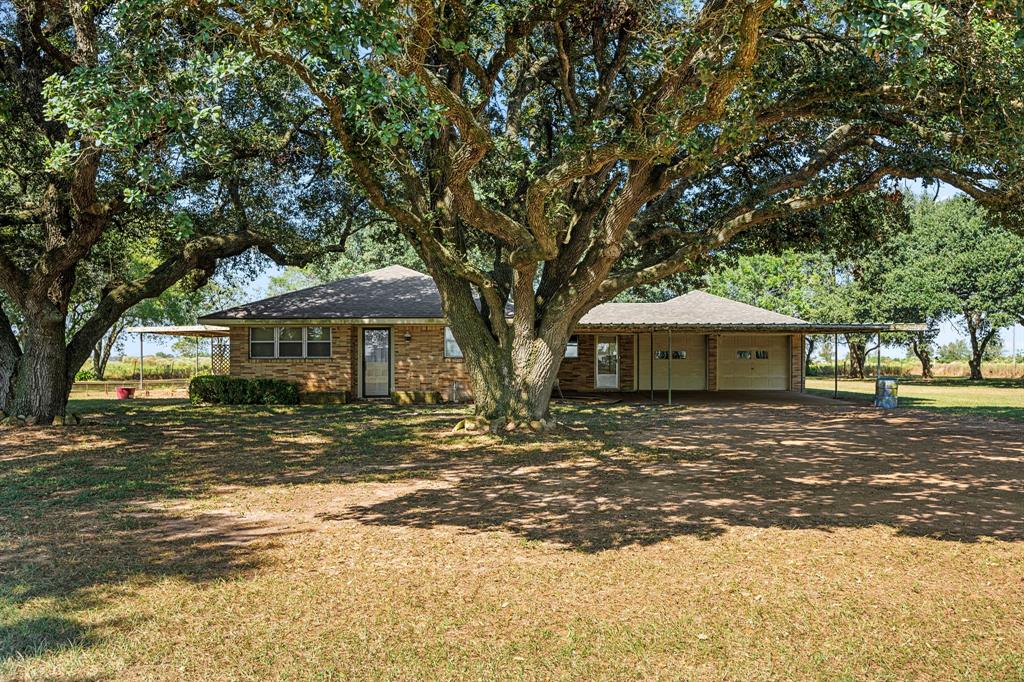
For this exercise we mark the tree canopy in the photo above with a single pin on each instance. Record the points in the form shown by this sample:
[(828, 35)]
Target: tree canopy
[(550, 155), (553, 155), (118, 138)]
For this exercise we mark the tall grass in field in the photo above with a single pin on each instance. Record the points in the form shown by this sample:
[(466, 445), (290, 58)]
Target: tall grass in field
[(912, 368), (154, 368)]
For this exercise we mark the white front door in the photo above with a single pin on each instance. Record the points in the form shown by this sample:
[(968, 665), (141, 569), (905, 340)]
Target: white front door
[(376, 363), (607, 359)]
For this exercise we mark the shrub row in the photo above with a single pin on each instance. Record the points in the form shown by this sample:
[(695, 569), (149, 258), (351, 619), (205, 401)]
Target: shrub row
[(225, 390)]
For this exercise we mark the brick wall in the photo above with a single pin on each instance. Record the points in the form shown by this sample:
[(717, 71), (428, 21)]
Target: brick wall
[(712, 362), (796, 362), (321, 374), (577, 374), (420, 364)]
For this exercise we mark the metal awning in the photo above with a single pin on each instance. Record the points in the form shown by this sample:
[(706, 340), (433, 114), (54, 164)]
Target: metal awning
[(191, 330)]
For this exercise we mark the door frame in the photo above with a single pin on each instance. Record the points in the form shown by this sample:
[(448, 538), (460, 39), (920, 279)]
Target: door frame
[(618, 363), (362, 358)]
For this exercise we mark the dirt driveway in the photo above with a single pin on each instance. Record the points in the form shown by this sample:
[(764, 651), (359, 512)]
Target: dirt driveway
[(761, 461)]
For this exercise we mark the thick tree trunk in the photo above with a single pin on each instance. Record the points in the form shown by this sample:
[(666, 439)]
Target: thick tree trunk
[(42, 384), (924, 356), (979, 338), (10, 354), (808, 353), (858, 354), (512, 371), (975, 364), (508, 391)]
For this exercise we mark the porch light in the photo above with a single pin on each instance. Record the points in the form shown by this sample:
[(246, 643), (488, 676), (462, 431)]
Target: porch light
[(407, 336)]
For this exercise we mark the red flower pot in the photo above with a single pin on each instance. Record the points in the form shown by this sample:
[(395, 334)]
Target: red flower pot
[(125, 392)]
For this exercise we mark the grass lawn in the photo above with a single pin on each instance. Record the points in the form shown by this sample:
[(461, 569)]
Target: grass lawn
[(1001, 398), (813, 540)]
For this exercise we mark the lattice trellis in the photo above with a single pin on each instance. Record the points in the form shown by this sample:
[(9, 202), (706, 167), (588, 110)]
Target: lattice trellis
[(220, 355)]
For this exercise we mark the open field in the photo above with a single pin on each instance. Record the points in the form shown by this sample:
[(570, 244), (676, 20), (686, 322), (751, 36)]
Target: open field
[(714, 540), (1000, 398)]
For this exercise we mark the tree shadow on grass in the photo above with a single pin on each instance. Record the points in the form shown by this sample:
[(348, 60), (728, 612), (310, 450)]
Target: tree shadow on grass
[(710, 468), (77, 512), (38, 635)]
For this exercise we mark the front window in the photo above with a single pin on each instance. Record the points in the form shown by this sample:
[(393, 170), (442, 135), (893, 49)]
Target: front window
[(318, 342), (262, 342), (290, 342), (572, 348), (451, 346)]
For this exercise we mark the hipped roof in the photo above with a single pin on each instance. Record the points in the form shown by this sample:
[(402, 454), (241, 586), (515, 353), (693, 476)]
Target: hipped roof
[(400, 293)]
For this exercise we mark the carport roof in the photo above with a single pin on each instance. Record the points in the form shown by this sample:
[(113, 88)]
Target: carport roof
[(400, 293)]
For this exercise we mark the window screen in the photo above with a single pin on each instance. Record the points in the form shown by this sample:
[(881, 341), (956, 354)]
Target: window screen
[(318, 342), (451, 346), (289, 342), (572, 348), (261, 342)]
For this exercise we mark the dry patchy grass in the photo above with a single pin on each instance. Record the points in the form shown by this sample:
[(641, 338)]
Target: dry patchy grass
[(704, 541)]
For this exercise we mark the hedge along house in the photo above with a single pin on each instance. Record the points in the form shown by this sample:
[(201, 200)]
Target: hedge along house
[(384, 332)]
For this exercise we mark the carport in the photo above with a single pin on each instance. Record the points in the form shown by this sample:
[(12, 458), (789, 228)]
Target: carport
[(219, 348)]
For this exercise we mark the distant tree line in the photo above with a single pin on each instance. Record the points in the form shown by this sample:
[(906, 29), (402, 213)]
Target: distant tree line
[(949, 263)]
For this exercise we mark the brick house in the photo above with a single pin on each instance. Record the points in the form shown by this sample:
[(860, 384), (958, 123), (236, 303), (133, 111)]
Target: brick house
[(384, 331)]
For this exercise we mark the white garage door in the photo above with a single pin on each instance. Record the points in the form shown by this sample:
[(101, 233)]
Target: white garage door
[(688, 360), (753, 362)]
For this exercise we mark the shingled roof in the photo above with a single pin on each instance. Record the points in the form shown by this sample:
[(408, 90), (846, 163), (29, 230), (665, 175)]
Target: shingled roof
[(399, 293), (394, 292), (696, 308)]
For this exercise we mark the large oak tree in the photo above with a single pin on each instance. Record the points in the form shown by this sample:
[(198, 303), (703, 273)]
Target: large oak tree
[(119, 137), (542, 157), (552, 155)]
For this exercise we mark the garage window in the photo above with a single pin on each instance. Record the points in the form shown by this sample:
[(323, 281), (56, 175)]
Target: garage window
[(762, 355), (744, 355)]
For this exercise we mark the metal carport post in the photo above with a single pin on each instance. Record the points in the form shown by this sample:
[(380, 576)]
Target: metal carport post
[(669, 366)]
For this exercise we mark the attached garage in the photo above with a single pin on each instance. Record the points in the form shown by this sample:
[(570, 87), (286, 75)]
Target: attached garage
[(687, 355), (753, 362)]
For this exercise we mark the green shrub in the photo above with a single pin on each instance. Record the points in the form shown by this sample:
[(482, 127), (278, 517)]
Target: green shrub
[(85, 374), (222, 390)]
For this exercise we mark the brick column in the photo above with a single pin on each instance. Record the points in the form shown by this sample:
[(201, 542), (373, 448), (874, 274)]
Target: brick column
[(796, 363), (712, 361)]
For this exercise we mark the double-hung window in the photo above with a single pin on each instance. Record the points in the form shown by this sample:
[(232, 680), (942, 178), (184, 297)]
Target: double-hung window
[(451, 346), (290, 342), (572, 348), (262, 342)]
